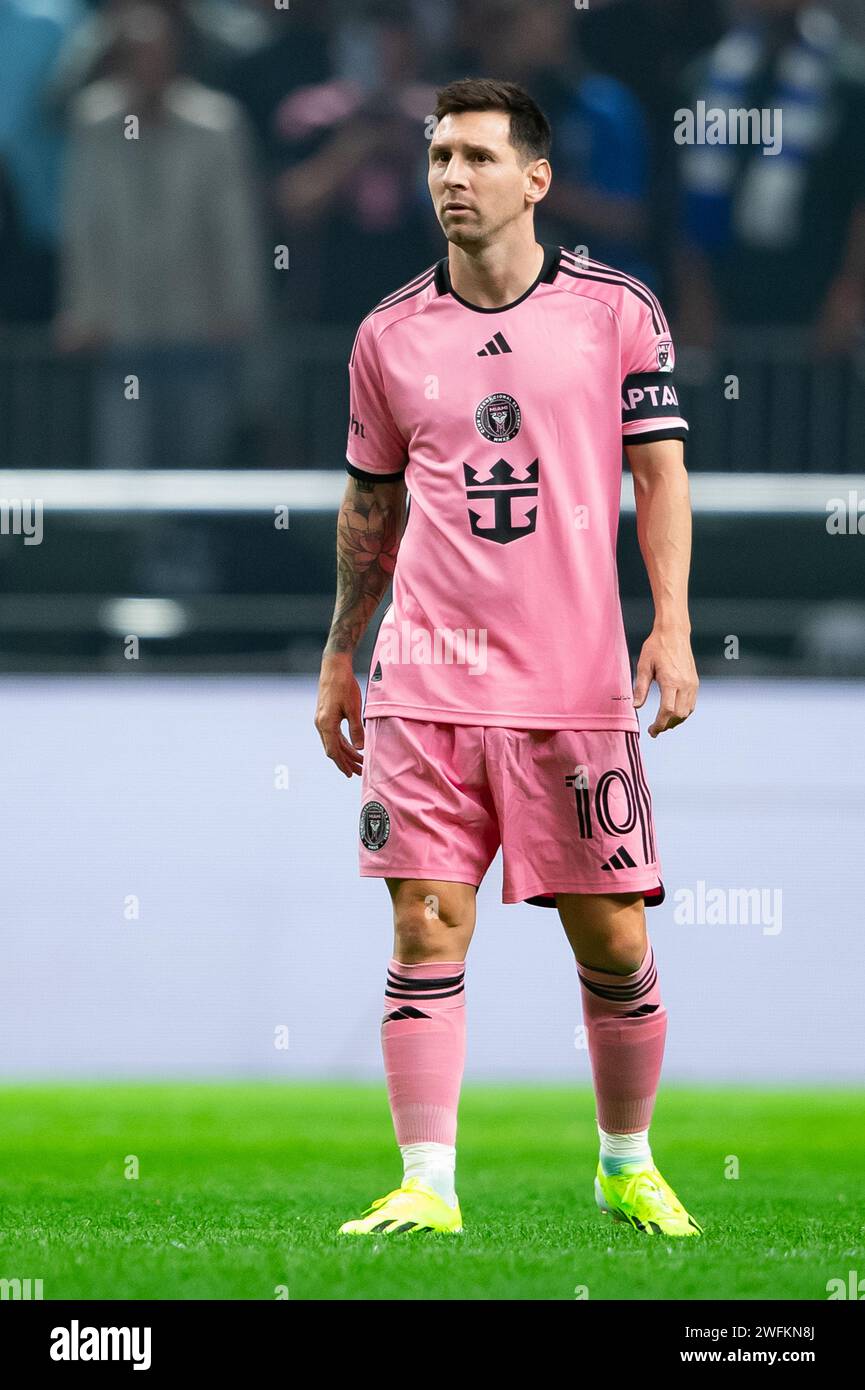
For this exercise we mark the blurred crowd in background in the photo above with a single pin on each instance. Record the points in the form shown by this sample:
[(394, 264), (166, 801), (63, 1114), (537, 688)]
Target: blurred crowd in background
[(153, 248)]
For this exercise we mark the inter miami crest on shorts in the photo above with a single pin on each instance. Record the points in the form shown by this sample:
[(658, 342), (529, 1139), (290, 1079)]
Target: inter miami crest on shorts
[(374, 825)]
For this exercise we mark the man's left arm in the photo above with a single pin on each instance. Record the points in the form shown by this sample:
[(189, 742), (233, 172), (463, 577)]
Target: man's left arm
[(664, 533)]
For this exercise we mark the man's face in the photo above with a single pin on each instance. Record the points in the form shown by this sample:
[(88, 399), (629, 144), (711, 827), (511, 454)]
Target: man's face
[(148, 47), (473, 165)]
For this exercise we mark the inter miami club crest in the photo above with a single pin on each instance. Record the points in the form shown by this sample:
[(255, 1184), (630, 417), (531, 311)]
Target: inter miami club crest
[(498, 418), (374, 825), (503, 522)]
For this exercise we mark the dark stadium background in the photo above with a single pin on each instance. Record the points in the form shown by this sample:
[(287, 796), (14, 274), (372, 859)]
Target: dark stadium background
[(255, 385)]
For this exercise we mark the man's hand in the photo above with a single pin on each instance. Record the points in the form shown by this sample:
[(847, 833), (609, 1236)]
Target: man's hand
[(667, 658), (339, 698)]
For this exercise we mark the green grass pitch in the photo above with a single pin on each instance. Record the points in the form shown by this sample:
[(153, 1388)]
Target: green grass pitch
[(241, 1187)]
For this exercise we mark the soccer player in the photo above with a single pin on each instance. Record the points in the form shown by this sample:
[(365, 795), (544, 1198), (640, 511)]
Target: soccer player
[(497, 389)]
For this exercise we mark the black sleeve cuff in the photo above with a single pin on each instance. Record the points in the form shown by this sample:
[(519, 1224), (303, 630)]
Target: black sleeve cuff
[(367, 477), (651, 436)]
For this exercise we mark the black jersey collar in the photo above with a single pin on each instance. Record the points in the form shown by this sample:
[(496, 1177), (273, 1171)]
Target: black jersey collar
[(547, 273)]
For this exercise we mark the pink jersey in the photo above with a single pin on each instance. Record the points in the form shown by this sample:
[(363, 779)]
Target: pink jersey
[(508, 426)]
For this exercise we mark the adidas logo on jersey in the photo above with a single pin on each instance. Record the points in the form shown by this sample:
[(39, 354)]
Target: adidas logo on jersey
[(495, 346)]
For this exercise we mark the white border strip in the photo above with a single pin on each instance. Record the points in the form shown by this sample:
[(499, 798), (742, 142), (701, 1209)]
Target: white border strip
[(319, 489)]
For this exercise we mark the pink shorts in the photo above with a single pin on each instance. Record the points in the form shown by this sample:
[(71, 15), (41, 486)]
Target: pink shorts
[(570, 808)]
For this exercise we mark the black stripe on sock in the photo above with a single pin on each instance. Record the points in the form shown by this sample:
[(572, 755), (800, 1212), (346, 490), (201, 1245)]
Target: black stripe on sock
[(627, 985), (398, 982), (430, 983), (645, 980), (407, 994), (618, 996)]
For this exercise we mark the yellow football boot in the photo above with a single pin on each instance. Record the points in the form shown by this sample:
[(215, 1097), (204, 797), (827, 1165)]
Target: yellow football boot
[(411, 1207), (645, 1201)]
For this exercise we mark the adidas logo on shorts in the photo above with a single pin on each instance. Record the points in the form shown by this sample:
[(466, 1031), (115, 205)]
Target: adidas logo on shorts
[(620, 860)]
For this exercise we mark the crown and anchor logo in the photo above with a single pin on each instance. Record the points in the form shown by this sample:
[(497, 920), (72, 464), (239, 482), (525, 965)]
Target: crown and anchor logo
[(503, 486)]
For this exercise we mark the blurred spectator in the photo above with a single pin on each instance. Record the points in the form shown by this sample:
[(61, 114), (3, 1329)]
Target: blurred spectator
[(852, 15), (31, 36), (353, 191), (647, 44), (26, 266), (779, 239), (161, 272), (294, 52), (211, 35), (599, 152)]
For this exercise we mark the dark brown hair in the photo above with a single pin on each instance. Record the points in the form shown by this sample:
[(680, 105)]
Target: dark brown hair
[(530, 129)]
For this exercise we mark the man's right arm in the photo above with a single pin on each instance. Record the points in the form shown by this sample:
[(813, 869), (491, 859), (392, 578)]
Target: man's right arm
[(369, 530)]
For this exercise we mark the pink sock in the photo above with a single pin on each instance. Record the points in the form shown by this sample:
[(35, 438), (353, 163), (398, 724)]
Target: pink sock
[(423, 1042), (626, 1025)]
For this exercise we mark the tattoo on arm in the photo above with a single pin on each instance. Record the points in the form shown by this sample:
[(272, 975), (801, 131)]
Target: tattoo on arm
[(369, 531)]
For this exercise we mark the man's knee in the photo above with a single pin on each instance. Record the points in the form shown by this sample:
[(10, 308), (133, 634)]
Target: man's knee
[(431, 919), (620, 959), (606, 932)]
